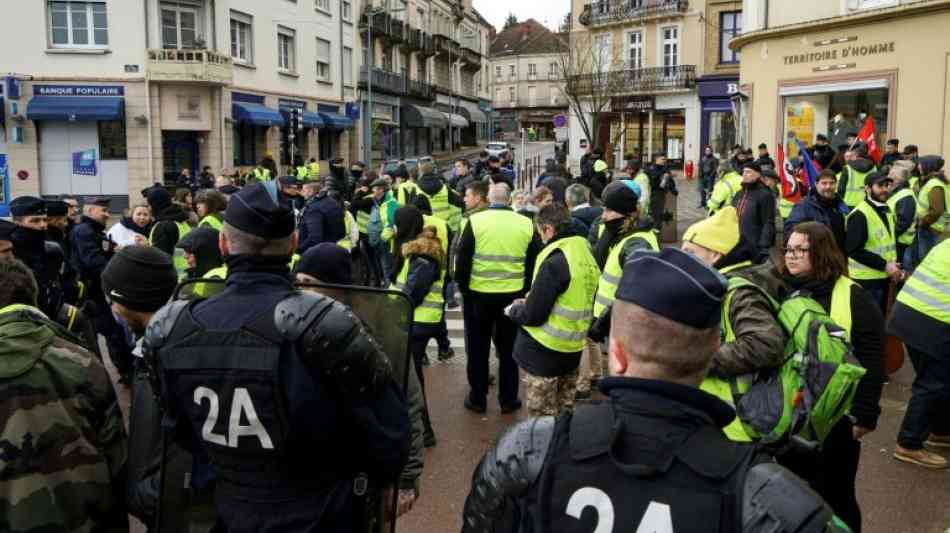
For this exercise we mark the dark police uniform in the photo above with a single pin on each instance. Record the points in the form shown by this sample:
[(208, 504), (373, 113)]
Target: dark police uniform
[(284, 392), (651, 457)]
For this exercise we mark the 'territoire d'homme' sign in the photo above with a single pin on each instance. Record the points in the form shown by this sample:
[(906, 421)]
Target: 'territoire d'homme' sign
[(78, 90), (845, 52)]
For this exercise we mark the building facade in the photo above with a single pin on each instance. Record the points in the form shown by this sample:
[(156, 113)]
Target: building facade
[(825, 67), (661, 64), (526, 80), (111, 96), (422, 77)]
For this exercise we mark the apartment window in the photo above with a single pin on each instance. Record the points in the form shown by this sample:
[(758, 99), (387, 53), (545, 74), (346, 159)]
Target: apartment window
[(671, 48), (532, 71), (241, 37), (322, 5), (498, 73), (78, 24), (179, 26), (323, 60), (603, 52), (498, 96), (347, 66), (346, 9), (286, 52), (532, 95), (553, 71), (730, 26), (635, 50), (112, 140), (511, 94), (511, 72)]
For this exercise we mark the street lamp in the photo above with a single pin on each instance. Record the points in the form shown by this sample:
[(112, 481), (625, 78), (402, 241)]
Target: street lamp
[(370, 63)]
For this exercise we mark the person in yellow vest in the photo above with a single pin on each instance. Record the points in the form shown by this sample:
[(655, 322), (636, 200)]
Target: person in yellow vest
[(493, 267), (728, 186), (407, 189), (446, 203), (261, 173), (871, 245), (921, 318), (210, 205), (933, 204), (753, 340), (170, 226), (420, 263), (556, 314), (903, 203), (446, 236), (301, 171), (362, 208), (201, 252), (813, 263), (851, 179), (313, 169)]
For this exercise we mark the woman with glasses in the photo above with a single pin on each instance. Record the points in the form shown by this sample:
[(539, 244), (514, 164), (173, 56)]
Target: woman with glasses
[(815, 265)]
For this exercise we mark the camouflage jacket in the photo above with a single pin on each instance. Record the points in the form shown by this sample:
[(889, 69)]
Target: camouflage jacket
[(63, 445)]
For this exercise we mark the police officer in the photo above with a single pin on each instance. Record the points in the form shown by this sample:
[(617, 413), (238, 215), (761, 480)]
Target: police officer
[(871, 245), (493, 267), (653, 454), (289, 429), (323, 219), (30, 246)]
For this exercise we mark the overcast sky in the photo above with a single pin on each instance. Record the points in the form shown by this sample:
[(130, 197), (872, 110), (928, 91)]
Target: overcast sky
[(547, 12)]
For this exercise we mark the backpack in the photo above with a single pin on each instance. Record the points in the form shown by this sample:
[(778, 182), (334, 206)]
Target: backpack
[(812, 390)]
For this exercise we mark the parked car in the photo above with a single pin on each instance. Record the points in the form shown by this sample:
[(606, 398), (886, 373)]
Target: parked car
[(499, 149)]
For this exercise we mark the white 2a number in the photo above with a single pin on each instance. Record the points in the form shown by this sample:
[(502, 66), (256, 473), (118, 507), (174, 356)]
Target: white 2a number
[(241, 406), (656, 519)]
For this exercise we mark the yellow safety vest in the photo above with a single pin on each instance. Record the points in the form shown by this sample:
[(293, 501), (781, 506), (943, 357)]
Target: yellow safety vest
[(908, 236), (880, 242), (443, 209), (785, 207), (313, 171), (928, 289), (724, 191), (431, 309), (613, 270), (565, 330), (405, 190), (841, 304), (362, 221), (212, 222), (302, 172), (181, 264), (345, 242), (923, 204), (502, 238), (262, 174), (854, 188), (204, 290)]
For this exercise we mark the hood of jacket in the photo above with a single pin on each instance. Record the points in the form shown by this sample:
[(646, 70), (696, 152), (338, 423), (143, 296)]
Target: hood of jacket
[(28, 242), (930, 164), (174, 213), (862, 165), (427, 245), (430, 184), (203, 243), (23, 339)]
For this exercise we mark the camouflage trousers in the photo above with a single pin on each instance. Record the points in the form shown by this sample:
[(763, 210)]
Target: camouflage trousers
[(549, 396), (593, 366)]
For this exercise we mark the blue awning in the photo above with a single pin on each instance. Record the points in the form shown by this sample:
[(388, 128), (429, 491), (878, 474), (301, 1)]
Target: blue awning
[(310, 119), (75, 108), (336, 121), (256, 114)]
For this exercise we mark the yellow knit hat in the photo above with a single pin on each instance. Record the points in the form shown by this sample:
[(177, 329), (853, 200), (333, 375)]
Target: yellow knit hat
[(719, 233)]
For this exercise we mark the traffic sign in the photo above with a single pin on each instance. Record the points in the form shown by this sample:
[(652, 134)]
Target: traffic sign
[(560, 121)]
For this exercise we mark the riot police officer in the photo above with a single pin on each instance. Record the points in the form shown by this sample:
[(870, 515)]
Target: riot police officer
[(654, 453), (285, 392)]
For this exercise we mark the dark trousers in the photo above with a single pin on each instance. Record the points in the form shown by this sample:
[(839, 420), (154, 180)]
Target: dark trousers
[(372, 273), (657, 207), (832, 472), (928, 410), (877, 288), (485, 322), (420, 339)]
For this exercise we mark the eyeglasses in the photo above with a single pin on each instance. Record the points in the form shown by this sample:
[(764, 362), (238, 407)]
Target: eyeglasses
[(797, 252)]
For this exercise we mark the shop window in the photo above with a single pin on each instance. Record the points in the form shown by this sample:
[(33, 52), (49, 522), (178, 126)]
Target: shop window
[(78, 24), (730, 26), (112, 140), (286, 52), (329, 144), (323, 60), (244, 145), (242, 38), (835, 115), (722, 132)]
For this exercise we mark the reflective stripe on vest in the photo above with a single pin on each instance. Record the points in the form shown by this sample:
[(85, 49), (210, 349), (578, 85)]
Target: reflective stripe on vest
[(262, 174), (841, 304), (880, 242), (928, 289), (202, 290), (502, 238), (431, 309), (565, 329), (923, 203), (181, 264), (302, 172), (362, 221), (613, 270), (908, 236), (313, 171), (443, 209), (854, 188), (724, 191), (405, 190), (345, 242), (212, 222)]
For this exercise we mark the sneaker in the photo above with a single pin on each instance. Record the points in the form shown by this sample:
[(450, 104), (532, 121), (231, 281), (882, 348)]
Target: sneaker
[(446, 355), (511, 407), (480, 409), (924, 458), (938, 441)]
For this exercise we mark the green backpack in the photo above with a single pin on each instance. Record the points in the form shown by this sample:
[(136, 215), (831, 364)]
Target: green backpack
[(812, 390)]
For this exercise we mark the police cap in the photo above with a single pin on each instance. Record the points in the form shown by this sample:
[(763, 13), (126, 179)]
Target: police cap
[(256, 210), (101, 201), (26, 206)]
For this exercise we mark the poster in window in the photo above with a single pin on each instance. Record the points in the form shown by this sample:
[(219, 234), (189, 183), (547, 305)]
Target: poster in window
[(801, 125), (189, 107), (84, 163)]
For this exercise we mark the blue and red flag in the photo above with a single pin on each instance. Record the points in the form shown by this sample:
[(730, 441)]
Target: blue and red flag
[(808, 165)]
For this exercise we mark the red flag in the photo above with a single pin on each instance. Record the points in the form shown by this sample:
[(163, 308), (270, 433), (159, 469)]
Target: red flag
[(790, 187), (868, 135)]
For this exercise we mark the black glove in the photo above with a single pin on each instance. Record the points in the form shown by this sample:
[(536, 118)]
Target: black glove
[(600, 327)]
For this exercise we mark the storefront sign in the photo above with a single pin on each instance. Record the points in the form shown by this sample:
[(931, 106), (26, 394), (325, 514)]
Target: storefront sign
[(327, 108), (717, 88), (84, 163), (633, 103), (289, 105), (78, 90), (844, 52)]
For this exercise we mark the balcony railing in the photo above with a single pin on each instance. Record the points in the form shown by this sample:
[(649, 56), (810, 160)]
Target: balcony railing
[(601, 12), (628, 80), (385, 81), (553, 76), (446, 45), (202, 66), (471, 58), (421, 89)]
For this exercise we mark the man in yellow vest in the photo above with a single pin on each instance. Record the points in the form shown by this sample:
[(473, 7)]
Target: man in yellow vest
[(301, 171), (556, 315), (921, 318), (753, 340), (210, 205), (261, 173), (493, 267), (313, 170), (201, 251), (933, 204), (851, 179), (171, 225), (729, 184), (903, 203), (871, 245)]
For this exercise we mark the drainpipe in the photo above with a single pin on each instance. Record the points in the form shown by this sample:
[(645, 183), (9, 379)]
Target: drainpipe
[(148, 103), (765, 23)]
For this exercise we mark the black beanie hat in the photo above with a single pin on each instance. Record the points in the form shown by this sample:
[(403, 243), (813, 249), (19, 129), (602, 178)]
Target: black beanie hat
[(328, 262), (141, 278), (159, 199), (255, 210), (6, 230), (675, 285), (620, 197)]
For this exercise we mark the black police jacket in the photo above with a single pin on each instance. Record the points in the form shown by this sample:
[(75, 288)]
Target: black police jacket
[(91, 250), (653, 454), (286, 393), (322, 221)]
